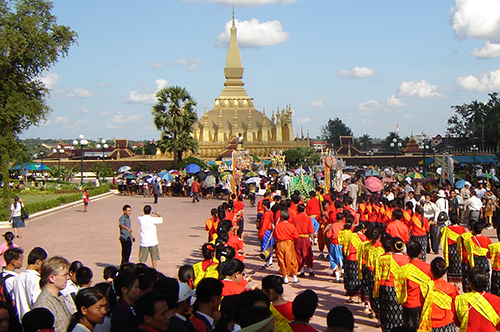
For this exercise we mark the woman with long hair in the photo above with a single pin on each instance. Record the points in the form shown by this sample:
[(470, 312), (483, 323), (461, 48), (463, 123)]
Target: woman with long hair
[(281, 309), (8, 244), (91, 308), (15, 216)]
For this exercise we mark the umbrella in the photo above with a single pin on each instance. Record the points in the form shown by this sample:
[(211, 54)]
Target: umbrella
[(345, 177), (167, 177), (161, 174), (348, 169), (254, 179), (415, 175), (145, 176), (193, 168), (262, 172), (174, 172), (209, 181), (399, 177), (488, 176), (224, 176), (460, 184), (251, 174), (373, 184), (130, 177), (371, 172), (273, 171), (201, 176), (299, 171), (124, 169), (214, 173), (387, 180)]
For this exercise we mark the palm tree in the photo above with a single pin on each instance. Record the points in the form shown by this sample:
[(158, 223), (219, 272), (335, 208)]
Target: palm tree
[(173, 114), (185, 142), (365, 141)]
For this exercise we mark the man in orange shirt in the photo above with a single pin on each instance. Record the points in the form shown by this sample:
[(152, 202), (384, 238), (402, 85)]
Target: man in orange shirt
[(195, 189), (313, 210), (266, 232), (285, 234), (396, 228), (303, 249), (336, 256)]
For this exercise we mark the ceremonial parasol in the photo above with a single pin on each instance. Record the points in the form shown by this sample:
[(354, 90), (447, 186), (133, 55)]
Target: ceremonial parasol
[(373, 184)]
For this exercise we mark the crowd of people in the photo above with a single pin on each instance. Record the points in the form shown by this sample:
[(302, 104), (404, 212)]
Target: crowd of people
[(376, 244)]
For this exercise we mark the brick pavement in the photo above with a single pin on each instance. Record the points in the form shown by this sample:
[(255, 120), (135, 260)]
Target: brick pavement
[(92, 238)]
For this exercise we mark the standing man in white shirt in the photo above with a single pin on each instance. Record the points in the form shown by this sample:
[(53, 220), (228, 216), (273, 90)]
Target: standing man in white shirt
[(27, 283), (475, 206), (149, 236)]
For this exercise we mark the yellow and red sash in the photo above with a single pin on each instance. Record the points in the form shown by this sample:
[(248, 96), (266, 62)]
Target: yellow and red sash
[(474, 250), (361, 253), (413, 273), (385, 266), (461, 242), (447, 233), (495, 255), (478, 302), (432, 296), (344, 239), (279, 320)]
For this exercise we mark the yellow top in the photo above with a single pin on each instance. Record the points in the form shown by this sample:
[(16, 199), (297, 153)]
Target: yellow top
[(446, 233), (210, 272)]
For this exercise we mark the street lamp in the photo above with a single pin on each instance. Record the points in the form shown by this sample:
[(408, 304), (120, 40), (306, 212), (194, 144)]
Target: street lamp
[(424, 146), (396, 145), (104, 147), (81, 141), (434, 150), (474, 150), (59, 150)]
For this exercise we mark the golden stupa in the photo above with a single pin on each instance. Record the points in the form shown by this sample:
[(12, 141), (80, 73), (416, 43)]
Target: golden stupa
[(234, 115)]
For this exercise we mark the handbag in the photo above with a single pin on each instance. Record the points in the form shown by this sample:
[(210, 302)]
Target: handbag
[(24, 214)]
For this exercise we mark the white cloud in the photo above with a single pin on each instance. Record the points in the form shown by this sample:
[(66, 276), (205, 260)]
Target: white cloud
[(476, 19), (81, 121), (395, 102), (50, 79), (419, 89), (371, 105), (192, 65), (357, 72), (147, 98), (104, 113), (486, 82), (244, 3), (366, 121), (82, 110), (180, 62), (61, 119), (304, 120), (318, 102), (489, 51), (111, 125), (120, 118), (80, 93), (254, 34), (104, 84), (195, 65), (157, 65)]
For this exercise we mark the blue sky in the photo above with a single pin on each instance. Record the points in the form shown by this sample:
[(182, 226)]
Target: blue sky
[(373, 64)]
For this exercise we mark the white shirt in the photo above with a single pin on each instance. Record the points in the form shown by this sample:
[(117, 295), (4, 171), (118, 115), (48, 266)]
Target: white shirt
[(149, 237), (430, 210), (71, 287), (442, 205), (80, 328), (480, 193), (17, 209), (474, 203), (9, 282), (26, 290)]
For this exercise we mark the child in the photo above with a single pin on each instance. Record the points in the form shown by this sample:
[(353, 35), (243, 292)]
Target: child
[(285, 234), (211, 224), (208, 267)]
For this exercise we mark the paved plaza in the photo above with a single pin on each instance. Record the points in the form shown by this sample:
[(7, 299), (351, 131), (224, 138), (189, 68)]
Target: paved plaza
[(92, 238)]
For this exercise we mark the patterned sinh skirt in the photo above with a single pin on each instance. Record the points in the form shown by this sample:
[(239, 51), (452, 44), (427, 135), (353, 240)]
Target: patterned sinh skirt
[(447, 328), (454, 268), (495, 282), (374, 302), (422, 240), (351, 278), (484, 263), (411, 317), (465, 277), (365, 285), (391, 312)]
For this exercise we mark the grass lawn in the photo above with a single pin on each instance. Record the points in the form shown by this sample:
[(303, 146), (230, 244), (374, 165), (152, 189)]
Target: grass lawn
[(27, 198)]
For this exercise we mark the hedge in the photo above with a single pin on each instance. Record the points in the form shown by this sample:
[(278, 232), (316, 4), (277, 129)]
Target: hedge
[(41, 206)]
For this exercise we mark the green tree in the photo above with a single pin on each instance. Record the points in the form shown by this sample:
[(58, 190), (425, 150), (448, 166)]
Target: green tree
[(30, 42), (365, 142), (332, 131), (173, 114), (301, 156), (386, 142), (185, 142)]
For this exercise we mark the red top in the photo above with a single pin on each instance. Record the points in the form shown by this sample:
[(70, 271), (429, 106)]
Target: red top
[(477, 322), (327, 198), (285, 309), (363, 212), (231, 288), (237, 244), (397, 228), (297, 327), (415, 298), (265, 223), (313, 207), (238, 206), (303, 224), (442, 317), (482, 241), (352, 249), (333, 232), (293, 207), (401, 259), (373, 215), (260, 208), (331, 213), (457, 229), (354, 214), (285, 231), (415, 224), (195, 187)]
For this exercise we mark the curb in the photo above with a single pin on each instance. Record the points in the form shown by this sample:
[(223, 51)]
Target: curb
[(36, 215)]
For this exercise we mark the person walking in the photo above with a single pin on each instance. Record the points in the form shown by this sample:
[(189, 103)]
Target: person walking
[(126, 237), (156, 190), (195, 189), (15, 216), (149, 236)]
